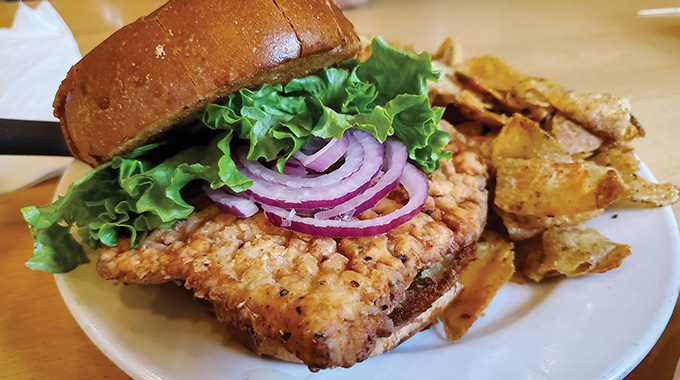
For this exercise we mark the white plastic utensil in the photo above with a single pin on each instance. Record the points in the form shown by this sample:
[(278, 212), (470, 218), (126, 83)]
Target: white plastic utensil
[(658, 12)]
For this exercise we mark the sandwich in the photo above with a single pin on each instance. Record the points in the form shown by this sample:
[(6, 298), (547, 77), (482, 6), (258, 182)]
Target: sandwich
[(241, 150)]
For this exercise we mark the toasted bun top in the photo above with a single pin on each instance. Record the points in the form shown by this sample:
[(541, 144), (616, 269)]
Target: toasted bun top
[(161, 69)]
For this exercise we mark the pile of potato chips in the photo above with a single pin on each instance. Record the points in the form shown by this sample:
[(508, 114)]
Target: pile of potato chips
[(556, 159)]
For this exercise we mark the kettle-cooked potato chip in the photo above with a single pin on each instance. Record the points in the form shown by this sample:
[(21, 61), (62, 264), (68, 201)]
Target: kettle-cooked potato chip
[(573, 137), (475, 107), (559, 158), (638, 189), (570, 251), (523, 227), (523, 138), (655, 194), (545, 188), (603, 114), (491, 269)]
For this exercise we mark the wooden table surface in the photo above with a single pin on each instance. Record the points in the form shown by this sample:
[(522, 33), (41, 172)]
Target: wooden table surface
[(598, 46)]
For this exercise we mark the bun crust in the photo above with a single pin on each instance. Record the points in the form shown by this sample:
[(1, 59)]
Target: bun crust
[(160, 70)]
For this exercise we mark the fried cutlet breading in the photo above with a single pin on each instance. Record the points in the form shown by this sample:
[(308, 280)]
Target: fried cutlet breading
[(326, 301)]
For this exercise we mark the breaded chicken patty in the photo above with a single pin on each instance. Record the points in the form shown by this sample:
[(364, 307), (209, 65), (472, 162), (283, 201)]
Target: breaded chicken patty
[(322, 301)]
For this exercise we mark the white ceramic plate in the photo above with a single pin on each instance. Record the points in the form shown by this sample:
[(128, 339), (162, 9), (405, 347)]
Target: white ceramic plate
[(595, 327)]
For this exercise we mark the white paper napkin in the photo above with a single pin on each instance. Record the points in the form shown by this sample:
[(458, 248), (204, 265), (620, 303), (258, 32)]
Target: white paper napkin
[(36, 52)]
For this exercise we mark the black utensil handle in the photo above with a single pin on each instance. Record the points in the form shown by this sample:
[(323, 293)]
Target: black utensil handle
[(32, 138)]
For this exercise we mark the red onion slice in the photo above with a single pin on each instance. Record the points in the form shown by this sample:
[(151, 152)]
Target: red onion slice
[(354, 157), (328, 192), (322, 159), (395, 161), (413, 181), (294, 168), (239, 206)]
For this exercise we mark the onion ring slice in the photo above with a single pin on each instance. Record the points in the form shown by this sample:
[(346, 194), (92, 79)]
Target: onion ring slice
[(331, 192), (354, 157), (234, 204), (412, 179), (329, 154), (394, 164)]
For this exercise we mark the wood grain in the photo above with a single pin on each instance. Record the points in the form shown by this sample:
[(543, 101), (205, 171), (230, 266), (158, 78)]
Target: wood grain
[(39, 339)]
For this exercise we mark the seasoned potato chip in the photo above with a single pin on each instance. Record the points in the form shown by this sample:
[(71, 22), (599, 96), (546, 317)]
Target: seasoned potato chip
[(484, 145), (544, 188), (449, 53), (474, 107), (510, 90), (515, 90), (603, 114), (495, 82), (572, 137), (559, 158), (523, 138), (522, 227), (620, 158), (638, 189), (570, 251), (444, 91), (492, 76), (535, 91), (489, 73), (528, 259), (655, 194), (471, 128), (492, 268), (518, 230)]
